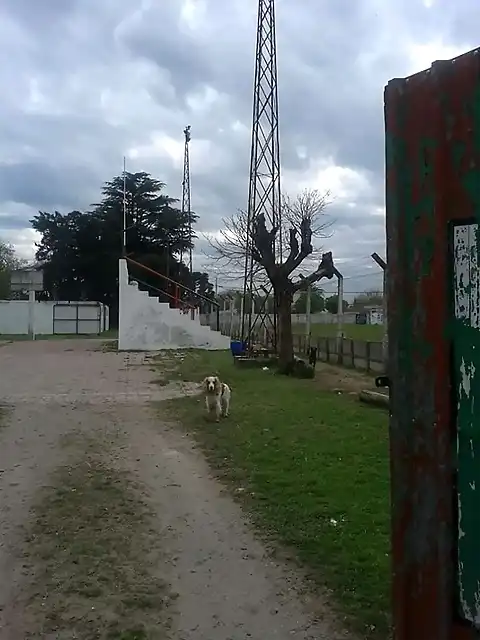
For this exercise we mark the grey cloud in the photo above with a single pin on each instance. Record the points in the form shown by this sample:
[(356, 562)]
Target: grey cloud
[(12, 221), (334, 60), (31, 183), (39, 15)]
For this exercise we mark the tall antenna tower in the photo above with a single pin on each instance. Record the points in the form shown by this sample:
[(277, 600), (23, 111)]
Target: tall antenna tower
[(264, 194), (186, 204), (124, 209)]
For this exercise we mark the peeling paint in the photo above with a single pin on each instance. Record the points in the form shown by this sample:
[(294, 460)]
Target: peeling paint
[(467, 373), (465, 339)]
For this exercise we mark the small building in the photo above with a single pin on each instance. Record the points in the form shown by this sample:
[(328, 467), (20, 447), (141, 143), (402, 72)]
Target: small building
[(369, 315)]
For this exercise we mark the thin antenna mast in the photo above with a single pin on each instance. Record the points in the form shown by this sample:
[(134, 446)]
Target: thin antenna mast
[(186, 196), (124, 223)]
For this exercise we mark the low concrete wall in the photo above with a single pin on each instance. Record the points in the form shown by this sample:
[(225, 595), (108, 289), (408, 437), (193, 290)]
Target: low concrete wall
[(60, 317)]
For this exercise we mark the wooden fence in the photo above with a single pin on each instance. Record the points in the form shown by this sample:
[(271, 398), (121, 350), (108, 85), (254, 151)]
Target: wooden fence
[(357, 354)]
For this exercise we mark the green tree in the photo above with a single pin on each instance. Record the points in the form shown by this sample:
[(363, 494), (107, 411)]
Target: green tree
[(201, 284), (331, 304), (317, 302), (8, 262), (81, 249)]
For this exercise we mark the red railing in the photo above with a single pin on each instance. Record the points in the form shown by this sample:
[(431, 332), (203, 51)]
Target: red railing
[(177, 288)]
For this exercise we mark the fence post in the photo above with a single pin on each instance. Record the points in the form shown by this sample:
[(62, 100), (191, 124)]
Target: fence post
[(340, 351), (367, 355), (352, 352), (327, 349)]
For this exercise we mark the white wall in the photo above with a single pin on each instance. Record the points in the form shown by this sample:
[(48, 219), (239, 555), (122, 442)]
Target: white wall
[(53, 317), (145, 324)]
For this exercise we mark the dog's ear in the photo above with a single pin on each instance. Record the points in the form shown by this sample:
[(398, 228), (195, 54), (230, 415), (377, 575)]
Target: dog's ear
[(204, 383), (218, 384)]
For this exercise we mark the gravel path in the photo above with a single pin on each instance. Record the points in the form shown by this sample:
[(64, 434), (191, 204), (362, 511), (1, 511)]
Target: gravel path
[(228, 587)]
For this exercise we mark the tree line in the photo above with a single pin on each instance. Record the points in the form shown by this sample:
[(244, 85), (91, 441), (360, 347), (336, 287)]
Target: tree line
[(319, 301), (80, 249)]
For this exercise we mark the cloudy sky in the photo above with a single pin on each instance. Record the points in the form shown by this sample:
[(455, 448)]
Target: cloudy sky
[(85, 82)]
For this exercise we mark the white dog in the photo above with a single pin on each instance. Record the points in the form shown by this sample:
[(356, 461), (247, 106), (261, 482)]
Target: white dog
[(217, 394)]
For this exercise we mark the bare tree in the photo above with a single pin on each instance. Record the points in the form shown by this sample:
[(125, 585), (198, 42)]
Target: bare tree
[(303, 219), (309, 205), (227, 250)]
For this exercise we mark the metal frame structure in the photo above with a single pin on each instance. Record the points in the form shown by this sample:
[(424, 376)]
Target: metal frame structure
[(264, 194), (186, 195)]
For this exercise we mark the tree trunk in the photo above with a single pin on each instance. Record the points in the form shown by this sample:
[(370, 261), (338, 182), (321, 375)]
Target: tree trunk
[(285, 352)]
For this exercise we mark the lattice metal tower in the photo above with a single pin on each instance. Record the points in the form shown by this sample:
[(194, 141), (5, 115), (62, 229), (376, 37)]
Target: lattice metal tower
[(186, 203), (264, 194)]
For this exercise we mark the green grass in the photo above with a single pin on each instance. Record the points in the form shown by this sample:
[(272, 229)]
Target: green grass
[(313, 467), (367, 332), (93, 554)]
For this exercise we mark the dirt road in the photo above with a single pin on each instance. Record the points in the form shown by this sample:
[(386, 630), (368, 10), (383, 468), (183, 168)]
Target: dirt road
[(221, 582)]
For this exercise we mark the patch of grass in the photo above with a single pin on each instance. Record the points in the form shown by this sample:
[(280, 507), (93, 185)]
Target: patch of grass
[(91, 550), (313, 467), (110, 345), (367, 332)]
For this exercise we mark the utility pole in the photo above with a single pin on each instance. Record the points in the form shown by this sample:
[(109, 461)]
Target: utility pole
[(339, 315), (383, 265), (264, 193), (308, 329)]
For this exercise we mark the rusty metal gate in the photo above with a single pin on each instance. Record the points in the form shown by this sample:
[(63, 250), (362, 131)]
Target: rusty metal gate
[(433, 207), (77, 318)]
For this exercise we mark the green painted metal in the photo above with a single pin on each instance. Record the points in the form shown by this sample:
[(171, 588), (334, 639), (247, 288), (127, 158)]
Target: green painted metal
[(466, 349), (432, 196)]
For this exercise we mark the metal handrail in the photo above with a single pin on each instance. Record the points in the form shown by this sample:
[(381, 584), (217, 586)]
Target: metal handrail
[(164, 293), (178, 284)]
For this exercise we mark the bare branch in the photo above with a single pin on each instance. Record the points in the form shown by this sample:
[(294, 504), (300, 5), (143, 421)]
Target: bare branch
[(324, 270), (309, 205), (303, 219)]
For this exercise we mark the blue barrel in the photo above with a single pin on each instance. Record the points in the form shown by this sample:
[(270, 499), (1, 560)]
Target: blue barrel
[(237, 347)]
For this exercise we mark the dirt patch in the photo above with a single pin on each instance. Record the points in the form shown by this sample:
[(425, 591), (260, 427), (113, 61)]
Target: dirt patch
[(229, 585), (332, 378)]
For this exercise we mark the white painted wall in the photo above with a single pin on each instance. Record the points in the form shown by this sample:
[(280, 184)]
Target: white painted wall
[(145, 324), (14, 317)]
